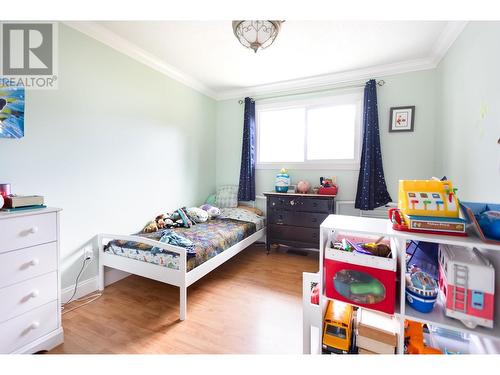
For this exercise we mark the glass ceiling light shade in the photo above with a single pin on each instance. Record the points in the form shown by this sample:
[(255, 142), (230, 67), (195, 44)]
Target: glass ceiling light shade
[(256, 34)]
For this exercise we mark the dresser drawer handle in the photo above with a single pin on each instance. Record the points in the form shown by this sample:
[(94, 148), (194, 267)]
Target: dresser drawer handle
[(33, 294), (32, 326), (34, 262), (29, 231), (314, 220)]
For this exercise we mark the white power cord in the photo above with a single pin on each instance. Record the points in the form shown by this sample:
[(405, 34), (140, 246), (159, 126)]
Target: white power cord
[(92, 297), (88, 299)]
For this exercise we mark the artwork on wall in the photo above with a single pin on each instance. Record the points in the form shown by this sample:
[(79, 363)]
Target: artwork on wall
[(402, 119), (11, 112)]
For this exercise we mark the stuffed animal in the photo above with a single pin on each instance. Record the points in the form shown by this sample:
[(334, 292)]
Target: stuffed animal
[(179, 218), (164, 221), (151, 227), (212, 211), (160, 222), (197, 214)]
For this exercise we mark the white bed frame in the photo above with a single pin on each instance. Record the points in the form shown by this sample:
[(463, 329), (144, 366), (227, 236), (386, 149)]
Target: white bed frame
[(175, 277)]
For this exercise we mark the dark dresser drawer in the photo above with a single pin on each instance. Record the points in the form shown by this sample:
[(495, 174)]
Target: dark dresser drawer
[(301, 204), (287, 233), (294, 219), (304, 219), (315, 205)]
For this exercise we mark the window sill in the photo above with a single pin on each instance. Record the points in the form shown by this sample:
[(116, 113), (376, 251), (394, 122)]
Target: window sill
[(347, 166)]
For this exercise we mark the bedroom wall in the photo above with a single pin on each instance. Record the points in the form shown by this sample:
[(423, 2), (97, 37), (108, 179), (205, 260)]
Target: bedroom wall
[(405, 155), (469, 114), (116, 144)]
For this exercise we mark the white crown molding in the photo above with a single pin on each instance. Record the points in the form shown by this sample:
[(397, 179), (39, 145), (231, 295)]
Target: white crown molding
[(450, 33), (333, 79), (122, 45), (441, 46), (443, 43)]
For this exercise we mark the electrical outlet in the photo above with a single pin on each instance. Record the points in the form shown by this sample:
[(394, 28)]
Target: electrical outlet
[(89, 254)]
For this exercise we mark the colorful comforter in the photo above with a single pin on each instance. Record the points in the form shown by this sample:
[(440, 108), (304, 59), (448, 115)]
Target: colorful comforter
[(204, 241)]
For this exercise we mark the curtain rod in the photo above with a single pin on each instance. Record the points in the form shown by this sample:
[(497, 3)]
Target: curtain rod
[(379, 83)]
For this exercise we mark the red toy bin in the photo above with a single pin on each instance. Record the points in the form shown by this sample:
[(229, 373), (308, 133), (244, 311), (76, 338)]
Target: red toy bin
[(363, 280)]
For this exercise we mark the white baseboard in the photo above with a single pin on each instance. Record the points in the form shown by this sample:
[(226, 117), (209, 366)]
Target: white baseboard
[(112, 275), (91, 285), (84, 287)]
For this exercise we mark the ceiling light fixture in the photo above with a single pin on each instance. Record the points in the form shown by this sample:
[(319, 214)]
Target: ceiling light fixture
[(256, 34)]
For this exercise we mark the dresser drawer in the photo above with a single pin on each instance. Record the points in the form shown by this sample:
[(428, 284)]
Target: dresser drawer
[(291, 233), (302, 219), (24, 264), (294, 203), (24, 231), (20, 331), (316, 205), (27, 295)]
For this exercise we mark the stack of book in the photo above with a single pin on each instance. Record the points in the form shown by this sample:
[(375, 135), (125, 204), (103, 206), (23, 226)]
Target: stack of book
[(20, 202), (376, 333)]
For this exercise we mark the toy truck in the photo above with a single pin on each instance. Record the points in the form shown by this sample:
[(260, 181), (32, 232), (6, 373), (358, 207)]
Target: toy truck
[(337, 328)]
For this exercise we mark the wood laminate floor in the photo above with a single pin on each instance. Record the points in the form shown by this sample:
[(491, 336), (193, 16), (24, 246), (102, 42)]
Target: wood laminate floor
[(250, 304)]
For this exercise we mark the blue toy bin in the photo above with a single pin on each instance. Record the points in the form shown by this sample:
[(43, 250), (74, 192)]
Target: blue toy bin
[(419, 302)]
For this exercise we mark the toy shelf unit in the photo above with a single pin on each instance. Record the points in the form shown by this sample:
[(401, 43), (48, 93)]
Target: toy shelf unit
[(463, 315)]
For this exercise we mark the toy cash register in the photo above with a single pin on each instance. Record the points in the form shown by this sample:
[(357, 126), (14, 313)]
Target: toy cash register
[(428, 206)]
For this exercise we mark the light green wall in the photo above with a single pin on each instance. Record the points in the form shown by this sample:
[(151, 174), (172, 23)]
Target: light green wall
[(115, 145), (469, 115), (405, 155)]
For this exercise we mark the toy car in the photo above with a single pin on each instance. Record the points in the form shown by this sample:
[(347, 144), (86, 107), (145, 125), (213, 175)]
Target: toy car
[(337, 328)]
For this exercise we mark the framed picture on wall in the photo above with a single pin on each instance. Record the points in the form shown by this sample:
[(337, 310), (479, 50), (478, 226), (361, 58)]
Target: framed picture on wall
[(11, 112), (402, 119)]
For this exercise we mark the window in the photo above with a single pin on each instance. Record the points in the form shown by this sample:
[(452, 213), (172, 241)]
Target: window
[(336, 331), (321, 133)]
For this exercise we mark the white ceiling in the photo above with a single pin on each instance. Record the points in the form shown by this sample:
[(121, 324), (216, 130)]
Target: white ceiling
[(206, 54)]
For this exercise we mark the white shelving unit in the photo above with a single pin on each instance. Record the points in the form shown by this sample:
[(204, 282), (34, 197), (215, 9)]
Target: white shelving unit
[(487, 339)]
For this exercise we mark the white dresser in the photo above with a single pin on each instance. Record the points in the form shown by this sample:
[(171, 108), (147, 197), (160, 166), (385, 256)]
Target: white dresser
[(30, 286)]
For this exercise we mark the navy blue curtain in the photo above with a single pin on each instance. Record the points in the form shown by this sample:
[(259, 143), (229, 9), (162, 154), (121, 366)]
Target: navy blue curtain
[(372, 190), (246, 190)]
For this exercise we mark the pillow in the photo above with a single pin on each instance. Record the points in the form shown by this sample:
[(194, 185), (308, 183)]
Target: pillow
[(211, 199), (255, 210), (197, 214), (227, 196)]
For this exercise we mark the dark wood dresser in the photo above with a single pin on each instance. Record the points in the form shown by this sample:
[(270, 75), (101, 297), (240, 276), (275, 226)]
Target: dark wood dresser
[(294, 219)]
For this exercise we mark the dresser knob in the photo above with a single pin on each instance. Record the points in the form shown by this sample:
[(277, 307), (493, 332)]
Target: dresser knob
[(34, 262), (34, 325), (34, 294), (33, 230), (292, 203)]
